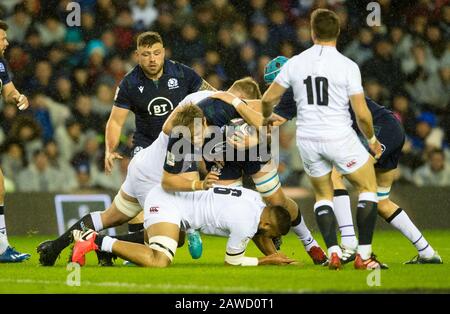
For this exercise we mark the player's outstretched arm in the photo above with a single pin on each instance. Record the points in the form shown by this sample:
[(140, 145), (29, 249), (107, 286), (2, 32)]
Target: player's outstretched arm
[(112, 135), (273, 259), (13, 96), (250, 115), (271, 97)]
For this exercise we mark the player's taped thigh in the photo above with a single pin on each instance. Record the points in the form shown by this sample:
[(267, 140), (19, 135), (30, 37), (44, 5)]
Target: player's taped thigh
[(268, 183), (383, 192), (126, 207), (163, 244)]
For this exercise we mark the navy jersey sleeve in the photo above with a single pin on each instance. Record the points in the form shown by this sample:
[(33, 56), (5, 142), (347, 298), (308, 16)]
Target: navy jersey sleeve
[(193, 80), (179, 156), (4, 76), (122, 99), (287, 108)]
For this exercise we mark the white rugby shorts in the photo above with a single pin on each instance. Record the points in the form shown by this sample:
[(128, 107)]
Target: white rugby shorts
[(319, 156)]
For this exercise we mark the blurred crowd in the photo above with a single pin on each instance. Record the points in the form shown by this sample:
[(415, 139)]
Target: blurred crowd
[(70, 75)]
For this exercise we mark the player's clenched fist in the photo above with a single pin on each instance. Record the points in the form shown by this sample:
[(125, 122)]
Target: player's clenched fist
[(211, 178), (376, 149), (21, 101)]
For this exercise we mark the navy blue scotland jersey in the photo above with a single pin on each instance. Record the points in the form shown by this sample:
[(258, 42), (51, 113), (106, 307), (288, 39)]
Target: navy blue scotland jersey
[(220, 114), (4, 76), (153, 101)]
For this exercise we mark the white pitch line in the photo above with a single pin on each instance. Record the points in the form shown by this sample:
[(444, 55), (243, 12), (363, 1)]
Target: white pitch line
[(165, 287)]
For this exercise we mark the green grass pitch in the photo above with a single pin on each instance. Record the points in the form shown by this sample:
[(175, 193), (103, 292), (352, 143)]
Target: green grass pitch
[(209, 275)]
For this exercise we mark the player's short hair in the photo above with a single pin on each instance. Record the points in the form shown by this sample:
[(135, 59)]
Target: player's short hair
[(325, 24), (3, 25), (186, 115), (248, 87), (282, 218), (148, 39)]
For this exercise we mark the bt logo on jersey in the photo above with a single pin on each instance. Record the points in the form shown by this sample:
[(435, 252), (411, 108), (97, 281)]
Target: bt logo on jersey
[(153, 209), (159, 106)]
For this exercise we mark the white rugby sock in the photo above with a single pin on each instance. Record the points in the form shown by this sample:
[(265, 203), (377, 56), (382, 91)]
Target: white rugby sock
[(401, 221), (3, 243), (107, 244), (2, 220), (365, 251), (335, 249), (97, 221), (342, 211), (303, 234), (3, 237)]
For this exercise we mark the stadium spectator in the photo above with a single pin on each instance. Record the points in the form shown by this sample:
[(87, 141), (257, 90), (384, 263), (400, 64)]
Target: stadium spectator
[(165, 24), (105, 11), (144, 13), (189, 47), (89, 120), (19, 23), (42, 79), (384, 67), (280, 30), (183, 12), (303, 34), (103, 100), (404, 113), (33, 45), (70, 138), (207, 26), (360, 49), (62, 92), (66, 173), (26, 130), (51, 30), (239, 32), (13, 158), (436, 172), (39, 176), (405, 61), (402, 42), (123, 29)]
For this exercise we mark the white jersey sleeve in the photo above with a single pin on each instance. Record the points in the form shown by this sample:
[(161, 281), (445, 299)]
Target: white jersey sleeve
[(196, 97), (237, 242), (283, 78), (354, 85)]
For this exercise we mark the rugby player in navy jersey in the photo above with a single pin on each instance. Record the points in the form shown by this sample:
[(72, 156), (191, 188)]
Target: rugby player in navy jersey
[(143, 173), (10, 95), (391, 135), (151, 91), (220, 111)]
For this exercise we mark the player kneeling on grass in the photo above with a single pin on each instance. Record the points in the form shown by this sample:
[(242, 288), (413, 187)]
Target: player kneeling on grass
[(238, 213)]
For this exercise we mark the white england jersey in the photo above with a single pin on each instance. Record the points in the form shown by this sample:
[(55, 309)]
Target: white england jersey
[(322, 80), (196, 97), (146, 168), (224, 211)]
